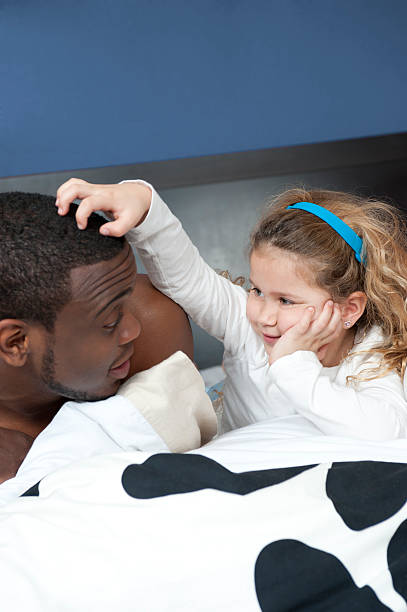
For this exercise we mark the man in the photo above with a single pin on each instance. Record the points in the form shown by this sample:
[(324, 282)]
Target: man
[(69, 323)]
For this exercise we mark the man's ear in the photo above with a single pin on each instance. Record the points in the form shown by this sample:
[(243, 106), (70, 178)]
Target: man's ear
[(353, 308), (14, 342)]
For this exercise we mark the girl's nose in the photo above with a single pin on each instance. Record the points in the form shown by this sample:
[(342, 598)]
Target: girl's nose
[(268, 316)]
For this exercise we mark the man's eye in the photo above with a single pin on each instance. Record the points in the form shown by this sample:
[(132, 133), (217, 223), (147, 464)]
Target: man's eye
[(256, 292), (112, 326)]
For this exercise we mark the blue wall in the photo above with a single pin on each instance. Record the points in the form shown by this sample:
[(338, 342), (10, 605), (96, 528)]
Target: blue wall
[(89, 83)]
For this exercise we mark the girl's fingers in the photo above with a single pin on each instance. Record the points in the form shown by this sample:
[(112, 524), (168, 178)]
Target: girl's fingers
[(336, 319), (61, 189), (70, 191), (332, 329), (85, 209), (335, 325), (121, 221), (324, 318), (126, 204), (117, 228), (305, 320)]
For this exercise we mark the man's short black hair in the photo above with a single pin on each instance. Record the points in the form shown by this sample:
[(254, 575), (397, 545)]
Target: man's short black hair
[(38, 249)]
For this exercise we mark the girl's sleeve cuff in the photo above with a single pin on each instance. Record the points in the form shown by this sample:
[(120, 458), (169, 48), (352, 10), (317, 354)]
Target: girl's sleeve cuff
[(148, 225)]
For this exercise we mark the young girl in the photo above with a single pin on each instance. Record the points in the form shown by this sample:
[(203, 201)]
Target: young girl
[(323, 329)]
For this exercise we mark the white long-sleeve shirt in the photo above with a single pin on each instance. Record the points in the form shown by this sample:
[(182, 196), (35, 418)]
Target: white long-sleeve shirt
[(254, 390)]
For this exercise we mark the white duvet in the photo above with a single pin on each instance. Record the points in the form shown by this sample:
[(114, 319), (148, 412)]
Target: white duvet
[(218, 528)]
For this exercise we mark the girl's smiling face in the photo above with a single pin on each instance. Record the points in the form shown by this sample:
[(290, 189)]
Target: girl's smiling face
[(280, 291)]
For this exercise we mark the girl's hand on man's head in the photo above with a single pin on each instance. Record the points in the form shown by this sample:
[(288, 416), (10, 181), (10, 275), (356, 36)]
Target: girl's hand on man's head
[(310, 334), (126, 203)]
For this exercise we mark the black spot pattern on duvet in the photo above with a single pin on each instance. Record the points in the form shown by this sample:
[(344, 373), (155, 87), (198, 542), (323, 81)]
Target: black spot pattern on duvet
[(33, 491), (290, 575), (165, 474), (397, 559), (366, 493)]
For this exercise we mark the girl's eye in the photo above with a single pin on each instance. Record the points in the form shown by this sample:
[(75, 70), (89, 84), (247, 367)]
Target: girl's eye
[(256, 292), (285, 301), (112, 326)]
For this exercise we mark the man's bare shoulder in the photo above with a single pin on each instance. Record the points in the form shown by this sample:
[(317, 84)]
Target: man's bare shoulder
[(14, 446), (165, 327)]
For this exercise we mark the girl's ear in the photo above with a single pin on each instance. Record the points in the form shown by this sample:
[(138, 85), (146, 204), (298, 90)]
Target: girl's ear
[(14, 342), (353, 308)]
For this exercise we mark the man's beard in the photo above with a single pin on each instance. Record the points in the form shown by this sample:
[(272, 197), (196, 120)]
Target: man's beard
[(48, 378)]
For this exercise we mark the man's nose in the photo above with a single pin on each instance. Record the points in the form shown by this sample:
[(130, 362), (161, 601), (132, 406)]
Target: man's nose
[(130, 330)]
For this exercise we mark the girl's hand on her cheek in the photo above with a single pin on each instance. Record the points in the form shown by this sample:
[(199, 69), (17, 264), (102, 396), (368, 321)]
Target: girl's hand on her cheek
[(126, 204), (310, 334)]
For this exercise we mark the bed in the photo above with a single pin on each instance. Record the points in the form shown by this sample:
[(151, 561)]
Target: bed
[(270, 517)]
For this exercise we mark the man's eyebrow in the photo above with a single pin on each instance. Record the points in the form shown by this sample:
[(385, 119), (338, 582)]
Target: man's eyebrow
[(117, 297)]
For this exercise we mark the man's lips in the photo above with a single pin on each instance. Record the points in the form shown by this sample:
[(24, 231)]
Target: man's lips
[(122, 369)]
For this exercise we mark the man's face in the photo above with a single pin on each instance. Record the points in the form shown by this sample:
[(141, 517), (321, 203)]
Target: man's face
[(88, 354)]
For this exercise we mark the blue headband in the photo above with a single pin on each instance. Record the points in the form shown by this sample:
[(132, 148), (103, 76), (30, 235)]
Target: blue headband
[(349, 236)]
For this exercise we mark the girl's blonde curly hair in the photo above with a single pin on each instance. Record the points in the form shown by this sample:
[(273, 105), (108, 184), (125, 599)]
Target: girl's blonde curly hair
[(334, 267)]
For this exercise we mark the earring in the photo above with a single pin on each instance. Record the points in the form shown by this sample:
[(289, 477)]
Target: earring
[(347, 324)]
